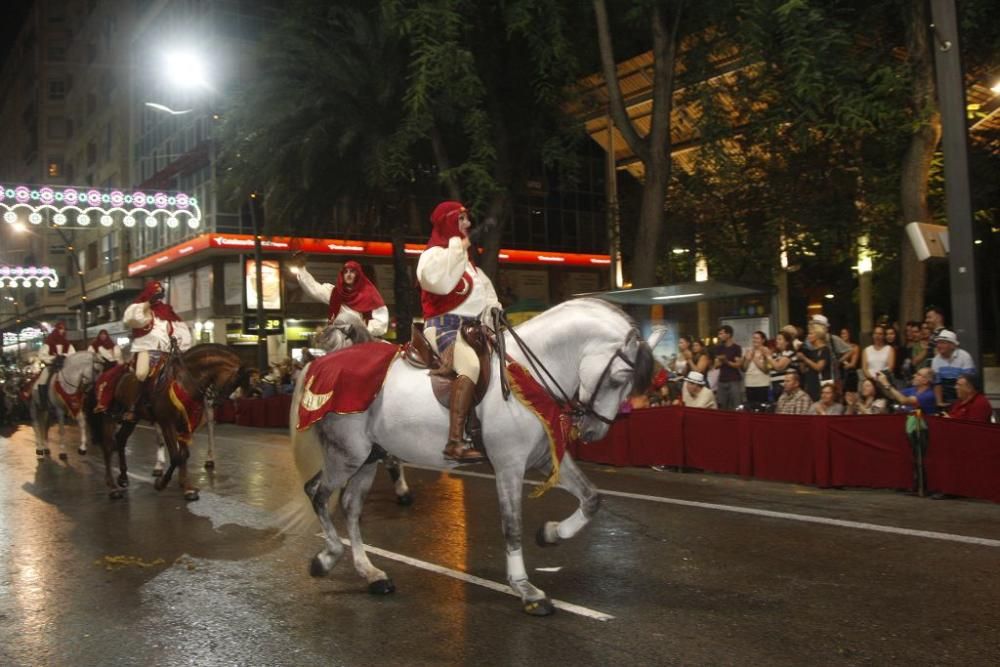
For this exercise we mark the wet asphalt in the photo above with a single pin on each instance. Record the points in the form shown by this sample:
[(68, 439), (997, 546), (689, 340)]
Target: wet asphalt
[(154, 580)]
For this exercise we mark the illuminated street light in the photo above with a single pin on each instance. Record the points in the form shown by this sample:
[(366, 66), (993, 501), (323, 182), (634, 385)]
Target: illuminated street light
[(166, 109), (184, 69)]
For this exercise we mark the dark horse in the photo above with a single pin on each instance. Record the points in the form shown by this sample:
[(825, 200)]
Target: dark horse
[(205, 370)]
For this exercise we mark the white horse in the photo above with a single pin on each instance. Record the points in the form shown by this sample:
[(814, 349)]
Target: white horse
[(594, 353), (77, 376)]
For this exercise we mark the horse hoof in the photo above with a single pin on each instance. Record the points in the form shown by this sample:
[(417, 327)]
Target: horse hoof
[(316, 567), (123, 481), (81, 451), (159, 484), (63, 457), (405, 500), (40, 453), (191, 495), (117, 494), (541, 607), (46, 451), (209, 465), (540, 538), (382, 587), (158, 472)]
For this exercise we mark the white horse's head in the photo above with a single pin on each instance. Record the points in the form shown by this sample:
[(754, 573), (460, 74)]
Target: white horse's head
[(348, 329), (616, 362)]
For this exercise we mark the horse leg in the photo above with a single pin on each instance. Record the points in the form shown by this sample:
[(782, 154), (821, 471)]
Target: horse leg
[(121, 439), (210, 419), (104, 429), (351, 501), (61, 422), (179, 454), (337, 471), (509, 490), (573, 480), (170, 446), (161, 453), (395, 469), (40, 422), (81, 422)]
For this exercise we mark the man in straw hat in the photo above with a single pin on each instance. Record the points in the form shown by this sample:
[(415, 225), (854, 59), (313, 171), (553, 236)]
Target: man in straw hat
[(949, 364), (696, 393)]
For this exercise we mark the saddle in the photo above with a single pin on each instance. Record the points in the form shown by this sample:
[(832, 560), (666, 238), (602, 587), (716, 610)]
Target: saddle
[(420, 354)]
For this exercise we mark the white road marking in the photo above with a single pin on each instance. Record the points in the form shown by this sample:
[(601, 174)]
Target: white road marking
[(479, 581), (805, 518)]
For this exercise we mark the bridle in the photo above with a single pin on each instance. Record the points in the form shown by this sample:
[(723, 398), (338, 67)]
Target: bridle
[(576, 408)]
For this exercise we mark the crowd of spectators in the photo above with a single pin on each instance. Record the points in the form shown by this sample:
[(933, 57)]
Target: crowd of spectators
[(812, 371)]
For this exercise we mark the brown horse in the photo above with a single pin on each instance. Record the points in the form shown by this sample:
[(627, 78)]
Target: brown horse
[(207, 370)]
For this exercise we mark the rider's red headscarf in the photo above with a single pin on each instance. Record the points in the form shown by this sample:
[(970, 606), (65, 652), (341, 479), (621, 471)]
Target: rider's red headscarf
[(445, 221), (362, 296), (102, 340), (153, 294), (57, 337)]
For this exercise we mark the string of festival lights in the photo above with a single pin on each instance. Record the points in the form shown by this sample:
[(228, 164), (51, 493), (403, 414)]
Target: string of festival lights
[(28, 276), (82, 207)]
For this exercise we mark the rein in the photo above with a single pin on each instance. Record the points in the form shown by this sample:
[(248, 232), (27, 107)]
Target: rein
[(573, 404)]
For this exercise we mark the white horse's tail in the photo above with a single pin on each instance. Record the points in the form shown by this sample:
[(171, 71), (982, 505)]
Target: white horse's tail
[(308, 455)]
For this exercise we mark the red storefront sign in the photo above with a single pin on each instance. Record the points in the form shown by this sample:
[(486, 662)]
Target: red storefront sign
[(290, 244)]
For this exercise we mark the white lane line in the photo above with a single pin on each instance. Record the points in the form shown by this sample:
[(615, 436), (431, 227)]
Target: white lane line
[(805, 518), (479, 581)]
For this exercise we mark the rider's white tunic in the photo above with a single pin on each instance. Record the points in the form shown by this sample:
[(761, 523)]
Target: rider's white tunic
[(61, 350), (377, 325), (114, 354), (139, 315)]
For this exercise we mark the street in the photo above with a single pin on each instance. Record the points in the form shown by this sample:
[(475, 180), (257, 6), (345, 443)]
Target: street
[(676, 569)]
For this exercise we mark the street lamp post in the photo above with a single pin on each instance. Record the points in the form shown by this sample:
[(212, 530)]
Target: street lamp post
[(958, 200), (259, 278)]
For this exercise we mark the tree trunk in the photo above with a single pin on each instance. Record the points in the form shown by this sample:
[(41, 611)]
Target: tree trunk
[(654, 148), (917, 161), (402, 288)]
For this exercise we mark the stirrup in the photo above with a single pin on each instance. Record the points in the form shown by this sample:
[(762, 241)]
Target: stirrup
[(457, 451)]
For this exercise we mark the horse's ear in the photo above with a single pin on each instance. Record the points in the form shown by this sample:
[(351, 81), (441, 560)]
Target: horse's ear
[(656, 336)]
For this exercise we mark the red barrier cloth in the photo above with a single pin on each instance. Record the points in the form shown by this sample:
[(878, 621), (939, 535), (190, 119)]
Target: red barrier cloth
[(870, 451), (656, 437), (713, 440), (226, 413), (963, 458), (344, 382), (784, 447)]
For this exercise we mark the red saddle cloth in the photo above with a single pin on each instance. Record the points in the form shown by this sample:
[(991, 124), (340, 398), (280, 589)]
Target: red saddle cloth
[(191, 410), (73, 402), (344, 382), (105, 386)]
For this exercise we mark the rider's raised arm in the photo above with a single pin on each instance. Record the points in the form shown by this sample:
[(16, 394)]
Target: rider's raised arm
[(440, 269), (379, 322), (316, 290), (137, 315)]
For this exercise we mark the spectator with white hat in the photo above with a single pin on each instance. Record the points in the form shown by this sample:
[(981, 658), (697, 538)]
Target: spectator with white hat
[(696, 393), (838, 347), (949, 363)]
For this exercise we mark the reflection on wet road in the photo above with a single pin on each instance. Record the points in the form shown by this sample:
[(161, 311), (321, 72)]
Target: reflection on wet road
[(153, 580)]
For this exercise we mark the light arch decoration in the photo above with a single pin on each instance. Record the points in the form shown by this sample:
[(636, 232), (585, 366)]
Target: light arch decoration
[(92, 207), (28, 276)]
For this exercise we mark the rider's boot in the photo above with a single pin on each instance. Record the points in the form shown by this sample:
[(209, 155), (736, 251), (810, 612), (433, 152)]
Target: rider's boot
[(462, 393)]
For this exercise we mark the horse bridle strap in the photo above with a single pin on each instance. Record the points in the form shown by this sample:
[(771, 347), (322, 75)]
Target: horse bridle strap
[(576, 408)]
